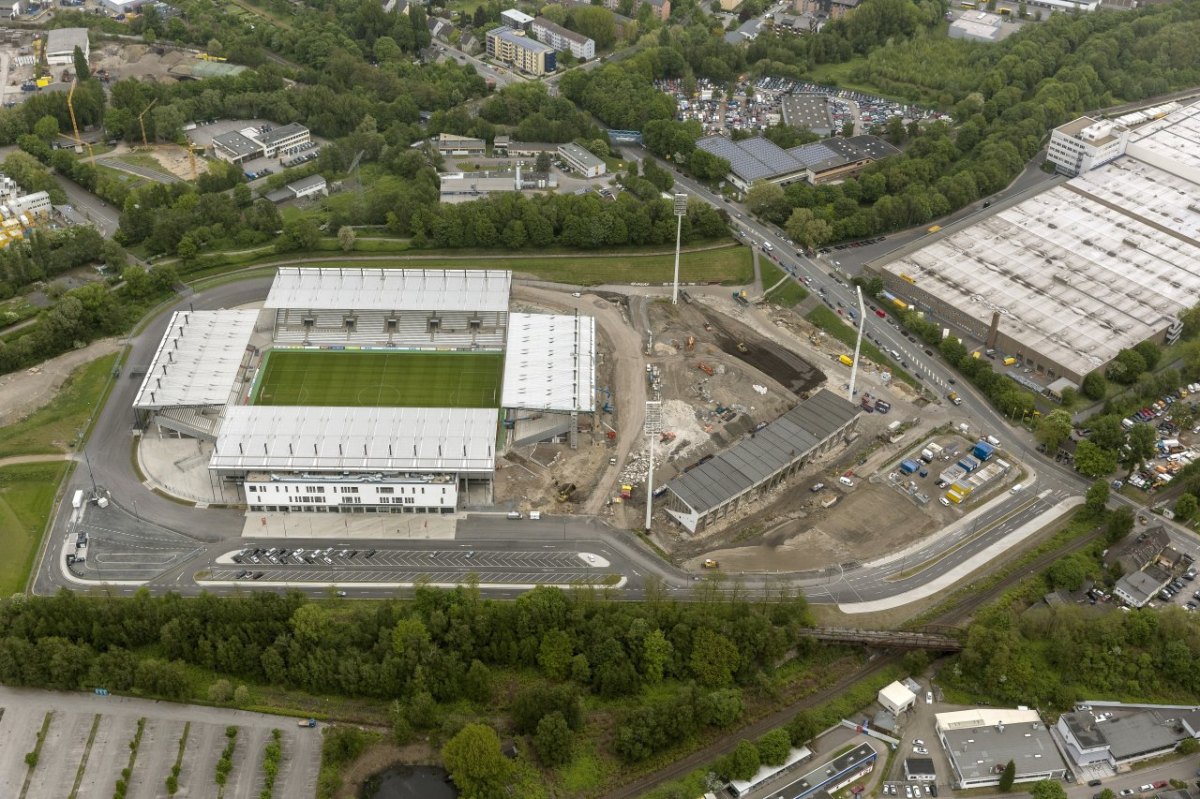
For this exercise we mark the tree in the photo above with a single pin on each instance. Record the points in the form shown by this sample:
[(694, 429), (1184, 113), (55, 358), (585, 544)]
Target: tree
[(773, 747), (1068, 573), (241, 696), (478, 683), (1094, 386), (553, 740), (81, 65), (1120, 522), (1188, 746), (476, 764), (656, 653), (1097, 496), (220, 691), (764, 197), (714, 658), (1092, 461), (744, 761), (554, 654), (1142, 439), (1053, 429), (1006, 779), (1185, 507), (346, 237), (113, 255), (1048, 789), (1126, 367), (46, 128), (298, 234), (543, 162)]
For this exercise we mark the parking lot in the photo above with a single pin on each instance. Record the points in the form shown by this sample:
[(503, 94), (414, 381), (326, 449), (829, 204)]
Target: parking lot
[(348, 566), (121, 545), (206, 131), (87, 745)]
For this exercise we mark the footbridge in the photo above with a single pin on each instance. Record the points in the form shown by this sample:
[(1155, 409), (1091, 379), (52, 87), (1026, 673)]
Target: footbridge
[(887, 639)]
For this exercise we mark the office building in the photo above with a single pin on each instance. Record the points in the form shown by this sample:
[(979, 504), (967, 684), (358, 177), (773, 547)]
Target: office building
[(582, 161), (979, 743), (519, 51)]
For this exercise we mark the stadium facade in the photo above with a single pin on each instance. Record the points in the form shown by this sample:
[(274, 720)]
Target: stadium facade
[(381, 457)]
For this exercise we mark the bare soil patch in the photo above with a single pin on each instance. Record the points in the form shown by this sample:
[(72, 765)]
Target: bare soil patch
[(22, 393)]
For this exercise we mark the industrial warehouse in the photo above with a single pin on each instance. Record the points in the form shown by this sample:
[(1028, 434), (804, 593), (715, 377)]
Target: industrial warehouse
[(368, 390), (1066, 279)]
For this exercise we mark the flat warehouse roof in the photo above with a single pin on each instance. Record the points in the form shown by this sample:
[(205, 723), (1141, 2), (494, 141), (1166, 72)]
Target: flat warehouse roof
[(197, 360), (979, 752), (756, 458), (352, 288), (550, 363), (1175, 137), (1072, 278), (1147, 192), (285, 438), (65, 40)]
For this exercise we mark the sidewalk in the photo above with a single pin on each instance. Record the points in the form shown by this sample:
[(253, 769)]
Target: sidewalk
[(404, 526)]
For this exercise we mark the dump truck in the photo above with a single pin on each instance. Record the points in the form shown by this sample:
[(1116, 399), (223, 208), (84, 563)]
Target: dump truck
[(306, 723), (626, 491), (703, 367), (741, 297), (709, 563), (846, 360), (953, 397)]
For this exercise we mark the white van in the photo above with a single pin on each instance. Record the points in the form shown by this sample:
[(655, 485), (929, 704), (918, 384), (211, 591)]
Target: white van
[(846, 481), (995, 442), (1016, 489), (514, 514), (534, 515)]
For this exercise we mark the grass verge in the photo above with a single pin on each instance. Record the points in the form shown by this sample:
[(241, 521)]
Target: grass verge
[(87, 751), (27, 493), (53, 428), (789, 294), (832, 324)]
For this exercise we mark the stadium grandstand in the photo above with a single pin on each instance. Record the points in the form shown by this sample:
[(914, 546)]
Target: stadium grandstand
[(369, 390), (415, 309), (549, 376), (201, 365)]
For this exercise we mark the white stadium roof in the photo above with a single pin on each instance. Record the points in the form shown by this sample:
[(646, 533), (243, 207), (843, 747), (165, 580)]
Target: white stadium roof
[(287, 438), (197, 360), (550, 363), (352, 288)]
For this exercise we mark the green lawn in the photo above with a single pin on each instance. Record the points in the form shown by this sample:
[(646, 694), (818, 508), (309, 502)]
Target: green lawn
[(26, 500), (391, 379), (53, 427), (790, 294)]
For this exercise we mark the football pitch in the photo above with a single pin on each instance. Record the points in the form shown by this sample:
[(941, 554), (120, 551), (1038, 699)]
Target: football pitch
[(387, 379)]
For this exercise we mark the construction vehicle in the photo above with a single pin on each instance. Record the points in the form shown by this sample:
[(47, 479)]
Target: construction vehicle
[(66, 75), (626, 491), (709, 563), (691, 343), (741, 347), (566, 492), (207, 57), (934, 229), (703, 367), (306, 723), (44, 81), (953, 397), (846, 360), (707, 327), (741, 297)]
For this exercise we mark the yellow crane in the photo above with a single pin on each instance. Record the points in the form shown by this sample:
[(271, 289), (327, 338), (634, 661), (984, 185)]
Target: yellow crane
[(191, 148), (75, 125), (142, 121)]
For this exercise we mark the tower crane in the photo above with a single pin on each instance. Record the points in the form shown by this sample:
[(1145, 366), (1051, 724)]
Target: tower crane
[(142, 121), (75, 125)]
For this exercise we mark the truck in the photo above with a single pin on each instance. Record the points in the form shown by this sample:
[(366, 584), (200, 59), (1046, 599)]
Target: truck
[(1010, 361), (983, 450), (846, 360), (77, 499), (934, 229), (626, 491), (954, 398), (909, 466), (741, 297), (927, 455), (306, 723)]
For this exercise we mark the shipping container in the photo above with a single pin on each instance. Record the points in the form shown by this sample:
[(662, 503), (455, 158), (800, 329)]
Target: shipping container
[(909, 466)]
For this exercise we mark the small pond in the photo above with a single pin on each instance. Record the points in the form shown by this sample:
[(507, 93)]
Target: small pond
[(410, 782)]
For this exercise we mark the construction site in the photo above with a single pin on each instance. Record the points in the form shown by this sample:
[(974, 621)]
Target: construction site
[(724, 368)]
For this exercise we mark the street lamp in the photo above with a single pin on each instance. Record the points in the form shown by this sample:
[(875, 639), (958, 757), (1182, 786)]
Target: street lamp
[(653, 427), (681, 201)]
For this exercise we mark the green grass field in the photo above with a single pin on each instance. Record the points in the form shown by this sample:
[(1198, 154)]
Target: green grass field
[(389, 379), (26, 498)]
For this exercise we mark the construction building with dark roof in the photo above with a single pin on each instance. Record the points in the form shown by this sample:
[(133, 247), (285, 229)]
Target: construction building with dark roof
[(761, 461)]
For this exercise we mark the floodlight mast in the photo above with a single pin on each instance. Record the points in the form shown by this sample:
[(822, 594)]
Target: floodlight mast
[(862, 322), (681, 202)]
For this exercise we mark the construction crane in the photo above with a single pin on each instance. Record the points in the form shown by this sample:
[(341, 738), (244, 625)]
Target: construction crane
[(191, 148), (75, 125), (142, 122)]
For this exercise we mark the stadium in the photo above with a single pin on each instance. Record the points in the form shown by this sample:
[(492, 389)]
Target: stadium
[(369, 390)]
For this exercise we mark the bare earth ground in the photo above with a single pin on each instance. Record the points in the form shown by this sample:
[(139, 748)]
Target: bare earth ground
[(21, 393)]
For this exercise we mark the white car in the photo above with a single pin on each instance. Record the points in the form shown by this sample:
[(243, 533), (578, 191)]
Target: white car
[(920, 750), (918, 742), (929, 697)]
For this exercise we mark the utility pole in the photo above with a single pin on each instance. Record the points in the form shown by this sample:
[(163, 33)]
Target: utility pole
[(681, 201), (653, 427)]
